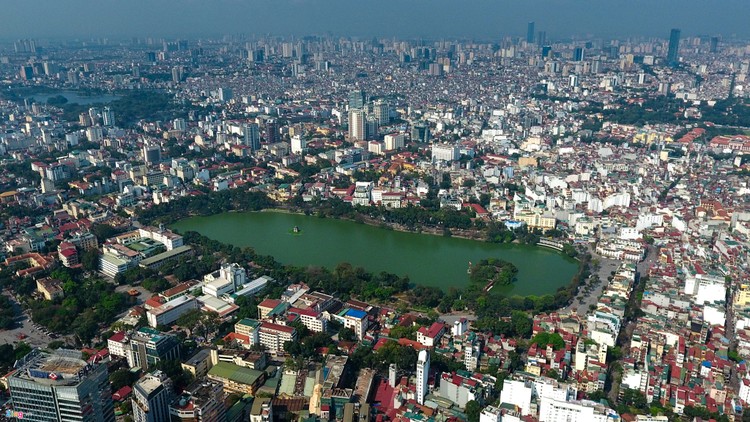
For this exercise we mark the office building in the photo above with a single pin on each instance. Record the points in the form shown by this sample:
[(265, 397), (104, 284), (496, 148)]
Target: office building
[(151, 397), (272, 131), (357, 130), (714, 47), (371, 128), (381, 111), (541, 38), (149, 347), (444, 152), (151, 154), (273, 336), (423, 373), (27, 73), (357, 99), (673, 53), (530, 32), (420, 132), (578, 54), (171, 311), (546, 51), (60, 386), (225, 94), (394, 141), (251, 136)]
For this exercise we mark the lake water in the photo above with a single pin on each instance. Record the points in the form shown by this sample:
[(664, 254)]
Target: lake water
[(73, 97), (427, 260)]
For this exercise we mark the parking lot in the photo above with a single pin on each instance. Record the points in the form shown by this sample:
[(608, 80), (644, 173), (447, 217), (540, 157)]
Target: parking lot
[(36, 335)]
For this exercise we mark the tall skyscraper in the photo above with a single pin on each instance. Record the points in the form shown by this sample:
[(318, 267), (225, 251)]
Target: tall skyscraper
[(420, 133), (423, 373), (251, 136), (272, 131), (530, 32), (371, 127), (151, 154), (714, 45), (149, 347), (381, 111), (60, 386), (578, 54), (357, 131), (673, 53), (178, 74), (108, 117), (151, 397), (541, 38), (357, 99), (225, 94)]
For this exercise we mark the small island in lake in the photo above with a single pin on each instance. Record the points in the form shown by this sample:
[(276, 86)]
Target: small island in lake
[(295, 231), (493, 271)]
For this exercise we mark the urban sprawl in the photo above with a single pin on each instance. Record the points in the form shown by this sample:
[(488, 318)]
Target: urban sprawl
[(628, 156)]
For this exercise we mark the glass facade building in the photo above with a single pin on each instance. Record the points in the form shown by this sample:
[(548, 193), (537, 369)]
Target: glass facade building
[(62, 387)]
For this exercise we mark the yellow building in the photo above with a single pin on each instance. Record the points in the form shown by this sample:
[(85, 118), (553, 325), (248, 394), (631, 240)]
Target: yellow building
[(49, 288), (742, 298), (535, 220), (527, 162)]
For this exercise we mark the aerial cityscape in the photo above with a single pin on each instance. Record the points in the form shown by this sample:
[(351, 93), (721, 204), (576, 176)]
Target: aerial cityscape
[(533, 222)]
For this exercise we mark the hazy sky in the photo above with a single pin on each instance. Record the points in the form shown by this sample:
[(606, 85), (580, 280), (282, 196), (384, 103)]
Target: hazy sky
[(407, 18)]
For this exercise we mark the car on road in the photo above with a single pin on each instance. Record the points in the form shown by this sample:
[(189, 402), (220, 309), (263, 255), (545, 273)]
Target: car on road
[(21, 336)]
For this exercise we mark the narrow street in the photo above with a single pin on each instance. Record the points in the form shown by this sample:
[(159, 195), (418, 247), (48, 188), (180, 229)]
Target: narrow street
[(629, 325)]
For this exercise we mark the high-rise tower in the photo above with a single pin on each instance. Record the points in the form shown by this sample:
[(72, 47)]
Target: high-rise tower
[(530, 32), (60, 386), (673, 53), (357, 125), (423, 373), (151, 397)]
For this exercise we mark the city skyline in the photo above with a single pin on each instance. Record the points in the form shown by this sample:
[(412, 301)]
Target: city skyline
[(479, 19)]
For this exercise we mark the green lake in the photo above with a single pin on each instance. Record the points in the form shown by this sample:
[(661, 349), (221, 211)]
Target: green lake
[(427, 260)]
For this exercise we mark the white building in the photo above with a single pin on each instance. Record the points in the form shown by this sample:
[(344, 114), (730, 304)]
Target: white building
[(394, 141), (356, 125), (151, 397), (518, 394), (299, 145), (118, 344), (273, 336), (170, 311), (167, 237), (250, 288), (226, 280), (551, 410), (423, 373), (444, 152), (356, 320)]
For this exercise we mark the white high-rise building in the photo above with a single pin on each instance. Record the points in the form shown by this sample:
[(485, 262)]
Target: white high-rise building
[(381, 112), (423, 373), (151, 397), (394, 141), (356, 125), (299, 145), (444, 152), (108, 116)]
